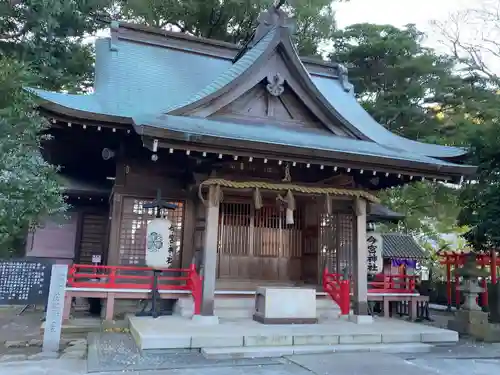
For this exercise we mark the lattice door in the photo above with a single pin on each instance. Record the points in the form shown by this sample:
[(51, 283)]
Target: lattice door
[(337, 242), (133, 224)]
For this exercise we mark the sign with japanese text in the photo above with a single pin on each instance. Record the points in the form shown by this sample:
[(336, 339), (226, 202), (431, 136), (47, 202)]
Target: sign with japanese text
[(374, 261), (24, 282), (55, 308)]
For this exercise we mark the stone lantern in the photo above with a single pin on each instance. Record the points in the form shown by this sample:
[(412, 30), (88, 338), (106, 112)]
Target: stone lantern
[(470, 319), (470, 286)]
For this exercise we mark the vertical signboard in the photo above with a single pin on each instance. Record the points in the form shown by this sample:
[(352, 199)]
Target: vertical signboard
[(55, 307), (375, 262)]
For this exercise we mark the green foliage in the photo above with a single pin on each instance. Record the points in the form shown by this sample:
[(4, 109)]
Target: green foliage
[(430, 208), (48, 35), (232, 20), (405, 86), (418, 94), (481, 198), (29, 190)]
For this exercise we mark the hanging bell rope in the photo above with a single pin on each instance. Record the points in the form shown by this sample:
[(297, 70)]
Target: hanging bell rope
[(214, 197), (289, 201), (257, 199), (328, 204)]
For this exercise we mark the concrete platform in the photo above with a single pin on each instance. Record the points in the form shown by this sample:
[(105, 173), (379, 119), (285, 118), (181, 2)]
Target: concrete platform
[(174, 332), (280, 351)]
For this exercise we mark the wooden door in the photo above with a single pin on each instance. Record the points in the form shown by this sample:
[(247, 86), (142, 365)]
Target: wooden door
[(93, 236), (258, 244)]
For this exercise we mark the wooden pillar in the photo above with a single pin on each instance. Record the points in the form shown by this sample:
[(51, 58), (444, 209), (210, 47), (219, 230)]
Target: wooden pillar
[(360, 271), (210, 251), (113, 257)]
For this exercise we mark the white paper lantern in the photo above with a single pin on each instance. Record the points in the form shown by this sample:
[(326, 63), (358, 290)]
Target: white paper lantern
[(158, 244)]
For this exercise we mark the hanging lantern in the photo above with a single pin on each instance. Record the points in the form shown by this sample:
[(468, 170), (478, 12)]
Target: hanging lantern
[(159, 242)]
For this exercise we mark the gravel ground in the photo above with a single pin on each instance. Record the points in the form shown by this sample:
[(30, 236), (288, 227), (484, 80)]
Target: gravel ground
[(118, 352)]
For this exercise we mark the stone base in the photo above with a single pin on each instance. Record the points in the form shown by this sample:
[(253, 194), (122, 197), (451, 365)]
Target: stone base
[(467, 320), (361, 319), (171, 332), (475, 323), (205, 319), (285, 305), (262, 319)]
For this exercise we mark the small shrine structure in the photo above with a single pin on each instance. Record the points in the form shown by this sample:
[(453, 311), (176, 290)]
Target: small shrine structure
[(269, 159)]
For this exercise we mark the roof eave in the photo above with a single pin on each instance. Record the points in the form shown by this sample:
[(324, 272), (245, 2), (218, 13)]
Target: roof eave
[(59, 109), (381, 163)]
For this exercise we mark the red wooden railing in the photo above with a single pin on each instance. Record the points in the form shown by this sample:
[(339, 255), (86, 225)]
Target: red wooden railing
[(338, 289), (393, 284), (129, 277)]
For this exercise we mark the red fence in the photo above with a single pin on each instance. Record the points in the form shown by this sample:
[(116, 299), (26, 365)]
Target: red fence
[(393, 284), (135, 278), (338, 290)]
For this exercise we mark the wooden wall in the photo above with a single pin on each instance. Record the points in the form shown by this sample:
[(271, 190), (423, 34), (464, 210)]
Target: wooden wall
[(137, 183)]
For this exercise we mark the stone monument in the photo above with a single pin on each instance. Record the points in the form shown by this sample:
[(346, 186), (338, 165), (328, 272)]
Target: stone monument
[(55, 307)]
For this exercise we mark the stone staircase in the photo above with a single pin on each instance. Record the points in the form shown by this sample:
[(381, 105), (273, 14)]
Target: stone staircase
[(240, 306)]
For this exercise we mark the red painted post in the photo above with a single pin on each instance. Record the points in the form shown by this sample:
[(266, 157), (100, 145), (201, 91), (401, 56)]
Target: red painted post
[(195, 286), (457, 282), (112, 277), (345, 298), (448, 281), (493, 266), (484, 284)]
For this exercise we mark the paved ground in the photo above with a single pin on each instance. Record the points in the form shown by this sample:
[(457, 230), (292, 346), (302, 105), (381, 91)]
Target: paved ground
[(467, 358), (464, 360)]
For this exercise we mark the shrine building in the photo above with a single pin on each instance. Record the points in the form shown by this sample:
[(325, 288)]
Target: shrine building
[(270, 160)]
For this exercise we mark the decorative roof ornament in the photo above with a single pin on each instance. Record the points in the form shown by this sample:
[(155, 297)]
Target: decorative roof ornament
[(275, 85), (273, 17), (344, 79)]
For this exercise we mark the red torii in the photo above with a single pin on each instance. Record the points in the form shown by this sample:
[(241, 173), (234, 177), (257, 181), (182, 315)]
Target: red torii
[(457, 259)]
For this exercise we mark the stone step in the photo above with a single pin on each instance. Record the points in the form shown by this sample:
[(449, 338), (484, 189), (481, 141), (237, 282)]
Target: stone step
[(280, 351), (243, 307)]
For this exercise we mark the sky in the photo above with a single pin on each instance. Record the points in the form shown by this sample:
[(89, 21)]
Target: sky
[(421, 13), (399, 12)]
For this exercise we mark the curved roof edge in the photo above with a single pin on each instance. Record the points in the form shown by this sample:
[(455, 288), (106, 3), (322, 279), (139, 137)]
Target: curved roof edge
[(346, 105), (76, 105)]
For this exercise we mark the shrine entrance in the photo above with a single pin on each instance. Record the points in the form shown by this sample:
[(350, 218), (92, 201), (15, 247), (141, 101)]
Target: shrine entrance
[(259, 244)]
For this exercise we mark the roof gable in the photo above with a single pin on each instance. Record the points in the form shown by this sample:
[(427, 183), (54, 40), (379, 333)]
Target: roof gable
[(273, 64), (260, 106)]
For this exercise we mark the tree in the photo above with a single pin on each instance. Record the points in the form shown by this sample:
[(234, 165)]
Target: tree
[(232, 20), (481, 198), (471, 36), (405, 86), (49, 36), (29, 190), (417, 93)]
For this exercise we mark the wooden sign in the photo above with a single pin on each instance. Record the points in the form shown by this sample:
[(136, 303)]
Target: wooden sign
[(55, 307), (374, 261), (24, 282)]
